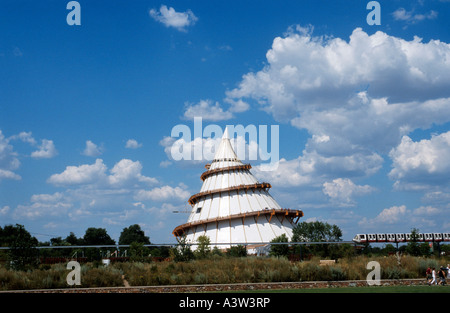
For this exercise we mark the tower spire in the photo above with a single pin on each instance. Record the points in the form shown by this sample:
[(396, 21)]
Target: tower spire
[(225, 133)]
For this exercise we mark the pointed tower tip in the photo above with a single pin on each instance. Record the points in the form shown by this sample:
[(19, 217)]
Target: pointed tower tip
[(225, 152), (225, 134)]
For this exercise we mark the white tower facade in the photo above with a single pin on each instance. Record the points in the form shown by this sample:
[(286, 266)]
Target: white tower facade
[(233, 207)]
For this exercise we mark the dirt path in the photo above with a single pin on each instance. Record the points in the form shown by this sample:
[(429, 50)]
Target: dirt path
[(223, 287)]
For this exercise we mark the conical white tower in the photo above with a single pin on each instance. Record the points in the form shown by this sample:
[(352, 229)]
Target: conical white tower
[(232, 207)]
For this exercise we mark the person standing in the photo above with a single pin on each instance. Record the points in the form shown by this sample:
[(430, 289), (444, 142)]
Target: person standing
[(441, 274), (428, 275), (448, 271), (433, 277)]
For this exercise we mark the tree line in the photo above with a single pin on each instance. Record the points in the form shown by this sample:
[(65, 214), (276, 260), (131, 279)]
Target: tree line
[(11, 235), (24, 255), (317, 232)]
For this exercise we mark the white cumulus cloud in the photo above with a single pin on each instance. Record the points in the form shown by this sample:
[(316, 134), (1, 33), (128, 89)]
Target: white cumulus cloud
[(207, 110), (46, 150), (392, 215), (306, 73), (92, 149), (421, 164), (163, 193), (133, 144), (171, 18), (356, 98), (342, 191), (83, 174), (9, 159), (125, 171), (411, 17)]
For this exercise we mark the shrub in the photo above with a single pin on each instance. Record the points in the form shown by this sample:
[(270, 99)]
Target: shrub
[(35, 279), (203, 250), (138, 252), (424, 264), (55, 277), (337, 273), (182, 252), (279, 250), (237, 251), (101, 277)]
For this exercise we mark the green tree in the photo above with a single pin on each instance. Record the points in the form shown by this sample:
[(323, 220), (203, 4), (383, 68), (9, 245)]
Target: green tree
[(413, 247), (70, 240), (58, 241), (162, 252), (280, 250), (446, 249), (237, 251), (138, 252), (93, 237), (22, 254), (134, 233), (217, 252), (203, 249), (97, 236), (389, 249), (73, 240), (182, 252), (317, 232), (342, 251)]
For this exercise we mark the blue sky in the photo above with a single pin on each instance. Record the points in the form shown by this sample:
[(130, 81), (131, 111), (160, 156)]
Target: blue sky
[(86, 111)]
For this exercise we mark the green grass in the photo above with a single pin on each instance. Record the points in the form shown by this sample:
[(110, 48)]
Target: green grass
[(368, 289)]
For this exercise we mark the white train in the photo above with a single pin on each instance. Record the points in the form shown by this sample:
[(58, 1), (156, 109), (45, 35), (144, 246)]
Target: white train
[(402, 237)]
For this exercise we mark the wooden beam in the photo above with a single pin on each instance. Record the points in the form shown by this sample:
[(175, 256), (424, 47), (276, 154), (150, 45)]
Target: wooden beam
[(224, 169), (182, 229), (195, 198)]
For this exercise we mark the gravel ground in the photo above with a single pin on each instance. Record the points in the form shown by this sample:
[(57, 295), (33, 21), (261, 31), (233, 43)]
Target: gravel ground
[(224, 287)]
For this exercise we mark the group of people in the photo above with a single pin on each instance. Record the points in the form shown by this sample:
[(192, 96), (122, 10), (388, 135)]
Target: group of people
[(440, 280)]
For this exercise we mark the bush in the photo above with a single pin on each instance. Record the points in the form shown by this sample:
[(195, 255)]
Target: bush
[(138, 252), (338, 273), (279, 250), (182, 252), (100, 277), (237, 251), (203, 250), (424, 264)]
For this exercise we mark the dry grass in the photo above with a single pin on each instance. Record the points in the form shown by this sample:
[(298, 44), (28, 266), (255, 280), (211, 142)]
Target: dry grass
[(210, 271), (217, 270), (51, 277), (252, 269)]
